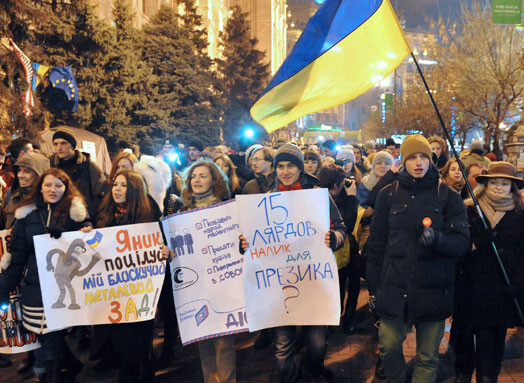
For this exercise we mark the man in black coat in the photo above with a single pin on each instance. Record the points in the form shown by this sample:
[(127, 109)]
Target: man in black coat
[(419, 229)]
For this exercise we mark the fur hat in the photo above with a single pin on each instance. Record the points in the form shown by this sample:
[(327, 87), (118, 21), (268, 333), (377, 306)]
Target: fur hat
[(384, 157), (35, 162), (157, 175), (476, 144), (415, 143), (289, 152), (65, 134), (346, 153)]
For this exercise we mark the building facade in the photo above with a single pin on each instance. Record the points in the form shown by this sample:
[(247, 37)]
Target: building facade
[(267, 19)]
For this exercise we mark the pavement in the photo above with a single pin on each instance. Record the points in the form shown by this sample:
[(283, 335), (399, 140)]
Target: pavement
[(351, 358)]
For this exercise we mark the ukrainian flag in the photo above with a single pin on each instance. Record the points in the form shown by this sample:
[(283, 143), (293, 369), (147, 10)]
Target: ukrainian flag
[(95, 241), (347, 47)]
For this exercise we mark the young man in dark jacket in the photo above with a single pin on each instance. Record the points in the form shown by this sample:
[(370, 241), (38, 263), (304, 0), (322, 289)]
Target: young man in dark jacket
[(87, 176), (418, 231)]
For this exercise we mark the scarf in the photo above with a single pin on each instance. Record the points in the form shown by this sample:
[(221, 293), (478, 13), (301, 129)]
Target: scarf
[(295, 186), (495, 210), (206, 199), (121, 209), (455, 185), (370, 181)]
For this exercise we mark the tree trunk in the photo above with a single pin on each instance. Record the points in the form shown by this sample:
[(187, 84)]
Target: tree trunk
[(496, 147)]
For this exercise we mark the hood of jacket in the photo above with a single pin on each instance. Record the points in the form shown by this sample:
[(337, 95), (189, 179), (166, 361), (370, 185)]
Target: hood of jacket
[(77, 210)]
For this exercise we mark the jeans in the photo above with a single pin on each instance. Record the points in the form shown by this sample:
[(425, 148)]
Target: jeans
[(391, 335), (39, 367), (54, 345), (477, 347), (218, 360), (315, 339)]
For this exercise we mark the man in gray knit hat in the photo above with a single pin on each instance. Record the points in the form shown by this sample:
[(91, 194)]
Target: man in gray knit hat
[(289, 165)]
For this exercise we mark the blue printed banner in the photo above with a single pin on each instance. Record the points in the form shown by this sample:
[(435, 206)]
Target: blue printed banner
[(110, 275), (206, 272), (290, 275)]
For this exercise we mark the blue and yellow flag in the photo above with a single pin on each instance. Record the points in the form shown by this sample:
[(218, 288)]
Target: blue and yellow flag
[(95, 241), (347, 47), (39, 73)]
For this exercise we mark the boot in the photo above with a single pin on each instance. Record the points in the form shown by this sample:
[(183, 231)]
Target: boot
[(348, 325), (56, 371), (379, 369), (462, 378), (487, 379)]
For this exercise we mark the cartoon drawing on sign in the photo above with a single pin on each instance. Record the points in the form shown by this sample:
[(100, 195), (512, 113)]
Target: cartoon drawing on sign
[(290, 288), (179, 240), (67, 267), (188, 241)]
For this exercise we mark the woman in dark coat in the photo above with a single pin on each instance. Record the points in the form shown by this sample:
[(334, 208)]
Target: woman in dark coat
[(53, 206), (484, 305), (128, 203)]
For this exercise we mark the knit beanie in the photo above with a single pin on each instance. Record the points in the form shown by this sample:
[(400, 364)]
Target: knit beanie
[(346, 153), (383, 157), (251, 150), (414, 143), (65, 134), (35, 162), (290, 152)]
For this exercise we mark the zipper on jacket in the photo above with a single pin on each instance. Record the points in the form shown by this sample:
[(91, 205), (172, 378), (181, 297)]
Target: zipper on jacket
[(48, 215)]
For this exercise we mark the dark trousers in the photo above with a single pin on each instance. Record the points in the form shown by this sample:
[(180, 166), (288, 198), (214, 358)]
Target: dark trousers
[(315, 339), (166, 307), (476, 347), (54, 345), (349, 276)]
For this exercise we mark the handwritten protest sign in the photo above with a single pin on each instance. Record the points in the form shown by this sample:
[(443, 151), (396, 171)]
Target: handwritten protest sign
[(290, 275), (110, 275), (207, 272), (15, 338)]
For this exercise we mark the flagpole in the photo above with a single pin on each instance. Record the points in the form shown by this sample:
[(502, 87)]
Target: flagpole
[(468, 185)]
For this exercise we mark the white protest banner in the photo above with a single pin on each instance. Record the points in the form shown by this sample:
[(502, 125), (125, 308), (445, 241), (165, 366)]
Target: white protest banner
[(207, 272), (15, 338), (110, 275), (290, 275)]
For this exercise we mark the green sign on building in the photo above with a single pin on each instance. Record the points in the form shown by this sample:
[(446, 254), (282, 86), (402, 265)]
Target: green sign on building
[(506, 11)]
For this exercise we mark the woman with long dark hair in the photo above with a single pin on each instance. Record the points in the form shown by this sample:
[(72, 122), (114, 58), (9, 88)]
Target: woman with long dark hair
[(205, 184), (484, 303), (52, 207), (126, 204)]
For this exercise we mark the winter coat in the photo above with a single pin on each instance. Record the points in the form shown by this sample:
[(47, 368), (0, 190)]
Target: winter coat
[(7, 212), (87, 177), (414, 283), (473, 157), (31, 221), (261, 184), (482, 296)]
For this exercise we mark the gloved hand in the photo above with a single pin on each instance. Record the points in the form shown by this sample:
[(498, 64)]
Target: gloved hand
[(331, 240), (482, 239), (54, 233), (429, 237), (372, 303)]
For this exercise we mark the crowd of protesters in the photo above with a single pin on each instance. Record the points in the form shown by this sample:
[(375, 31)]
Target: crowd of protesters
[(401, 219)]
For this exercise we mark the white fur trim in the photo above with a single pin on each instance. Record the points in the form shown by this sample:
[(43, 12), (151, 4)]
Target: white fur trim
[(77, 211), (157, 175), (6, 261), (24, 211)]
